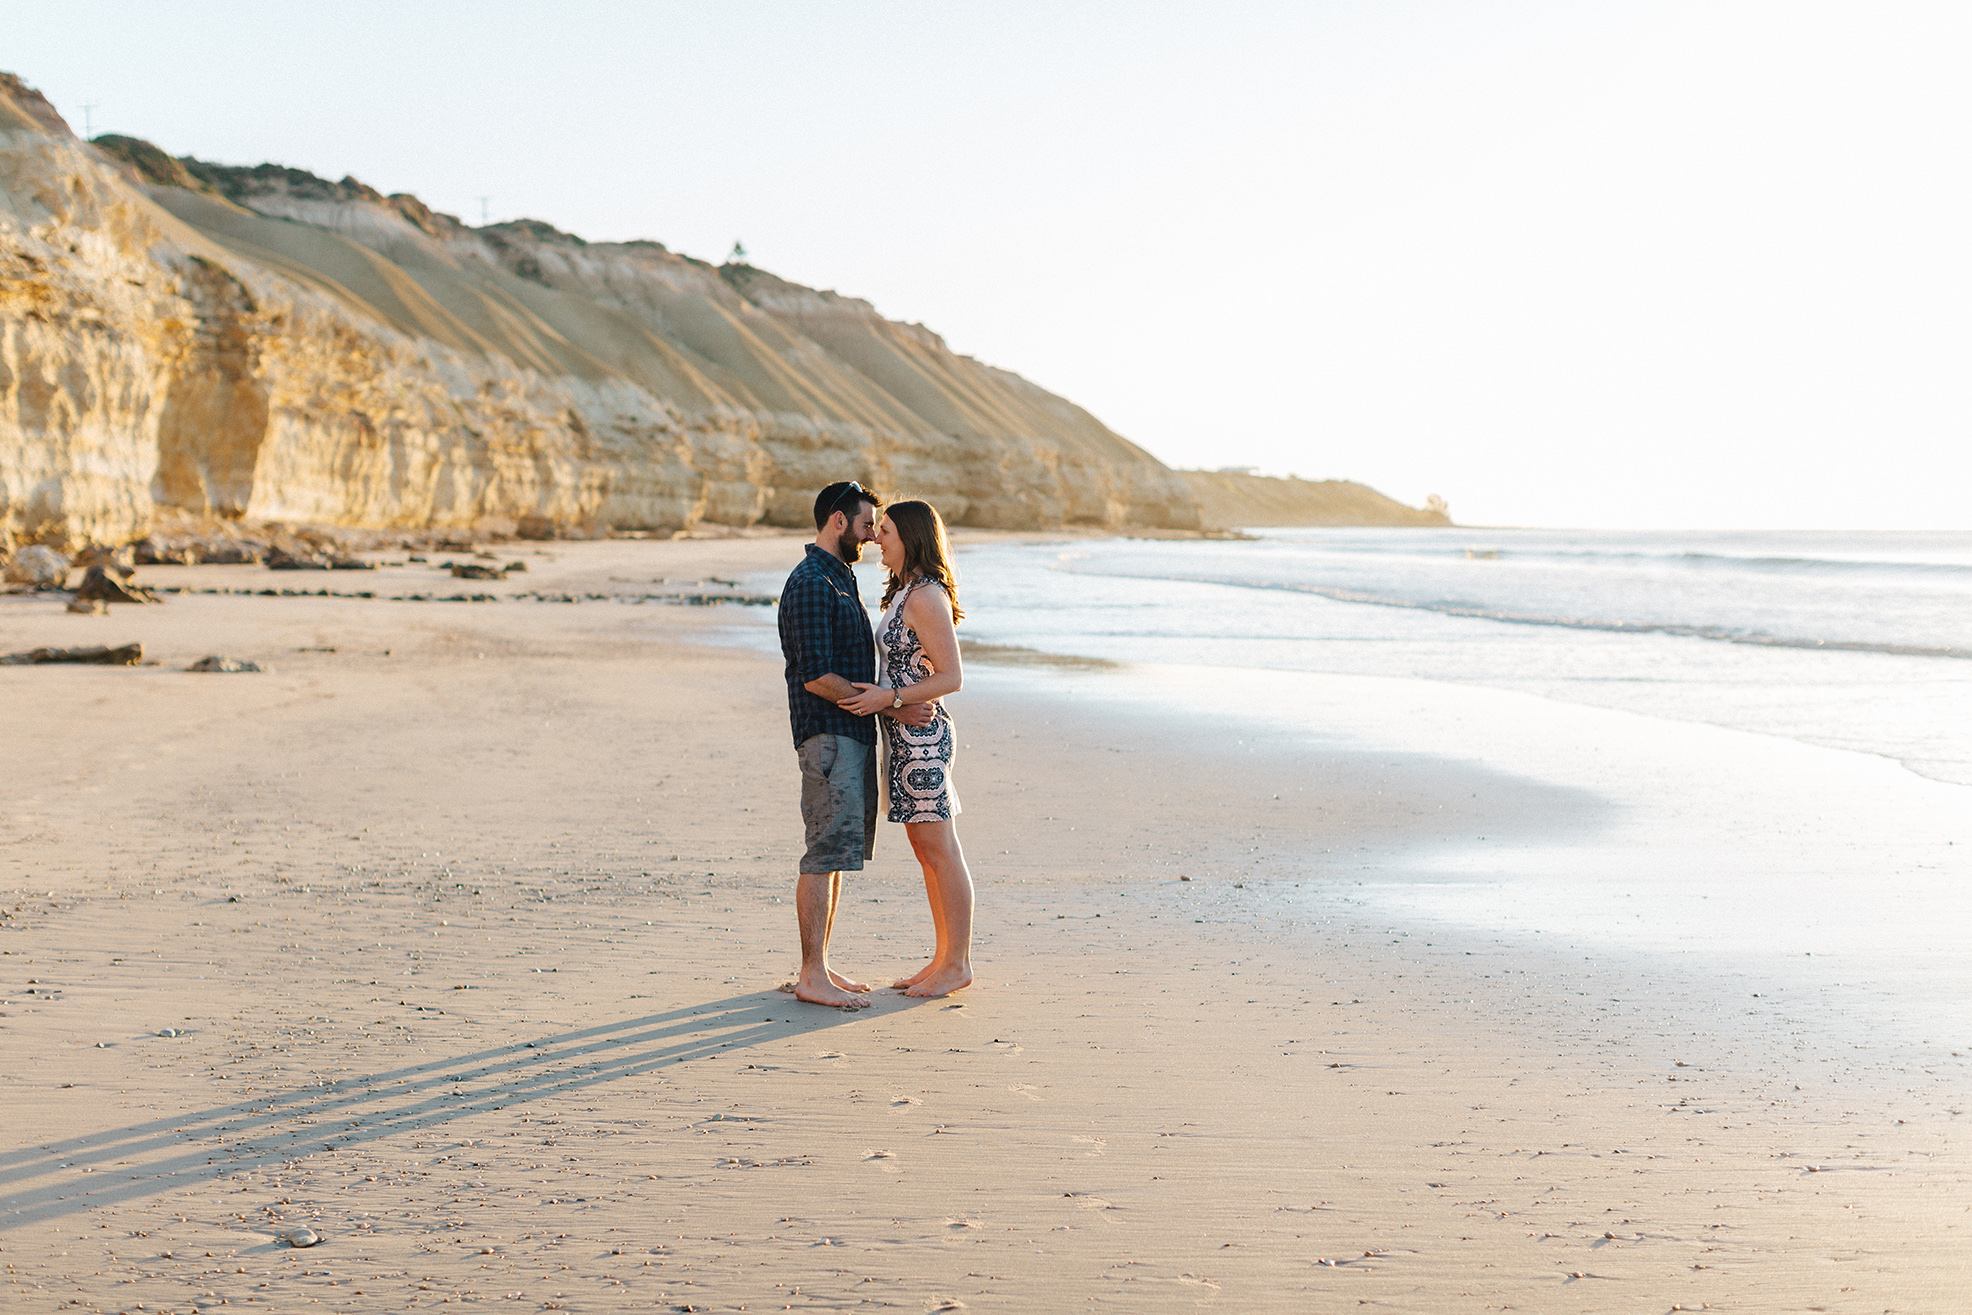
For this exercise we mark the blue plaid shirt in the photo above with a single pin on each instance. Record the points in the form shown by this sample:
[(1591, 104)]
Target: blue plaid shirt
[(824, 629)]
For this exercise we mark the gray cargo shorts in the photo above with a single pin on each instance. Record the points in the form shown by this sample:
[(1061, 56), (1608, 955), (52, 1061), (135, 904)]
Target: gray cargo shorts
[(838, 802)]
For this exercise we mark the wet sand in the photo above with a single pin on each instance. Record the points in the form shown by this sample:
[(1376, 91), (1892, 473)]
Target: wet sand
[(469, 956)]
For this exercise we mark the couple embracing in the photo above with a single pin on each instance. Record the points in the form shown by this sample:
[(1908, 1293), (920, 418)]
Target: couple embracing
[(843, 684)]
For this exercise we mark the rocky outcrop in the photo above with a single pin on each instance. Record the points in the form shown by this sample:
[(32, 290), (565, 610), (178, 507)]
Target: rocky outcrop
[(181, 339), (1233, 499)]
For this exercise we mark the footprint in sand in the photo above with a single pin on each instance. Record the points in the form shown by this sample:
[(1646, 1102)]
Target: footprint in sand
[(907, 1100), (1028, 1090), (1097, 1142), (881, 1155)]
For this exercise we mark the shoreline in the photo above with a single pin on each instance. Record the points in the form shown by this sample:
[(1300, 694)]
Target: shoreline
[(1176, 1092)]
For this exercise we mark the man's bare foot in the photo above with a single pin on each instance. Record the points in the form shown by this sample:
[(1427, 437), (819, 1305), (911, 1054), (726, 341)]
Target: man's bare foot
[(903, 982), (943, 982), (827, 993), (861, 988)]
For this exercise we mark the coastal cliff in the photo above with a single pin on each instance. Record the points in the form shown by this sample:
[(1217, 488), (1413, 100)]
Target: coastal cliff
[(186, 340)]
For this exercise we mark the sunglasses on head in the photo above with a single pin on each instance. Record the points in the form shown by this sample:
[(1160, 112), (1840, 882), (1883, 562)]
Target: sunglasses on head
[(854, 489)]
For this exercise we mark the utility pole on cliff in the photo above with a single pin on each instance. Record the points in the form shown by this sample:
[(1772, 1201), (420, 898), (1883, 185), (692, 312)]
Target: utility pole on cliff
[(482, 210), (88, 122)]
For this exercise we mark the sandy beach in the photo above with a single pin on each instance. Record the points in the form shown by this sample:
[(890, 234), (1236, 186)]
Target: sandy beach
[(455, 937)]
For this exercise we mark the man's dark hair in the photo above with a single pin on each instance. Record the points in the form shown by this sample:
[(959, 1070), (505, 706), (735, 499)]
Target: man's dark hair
[(843, 496)]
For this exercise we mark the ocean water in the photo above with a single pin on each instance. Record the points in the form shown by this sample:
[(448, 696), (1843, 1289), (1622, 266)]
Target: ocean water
[(1858, 641)]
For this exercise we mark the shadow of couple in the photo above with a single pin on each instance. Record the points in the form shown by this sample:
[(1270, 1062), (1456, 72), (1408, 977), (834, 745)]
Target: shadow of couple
[(144, 1159)]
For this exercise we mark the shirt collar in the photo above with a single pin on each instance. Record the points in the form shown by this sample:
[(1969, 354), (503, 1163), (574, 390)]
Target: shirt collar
[(830, 562)]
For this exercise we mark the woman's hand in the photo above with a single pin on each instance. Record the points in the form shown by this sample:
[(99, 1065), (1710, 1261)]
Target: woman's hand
[(868, 699)]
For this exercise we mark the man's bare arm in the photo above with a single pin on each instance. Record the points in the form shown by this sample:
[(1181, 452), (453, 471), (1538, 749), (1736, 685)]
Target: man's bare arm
[(831, 687), (835, 689)]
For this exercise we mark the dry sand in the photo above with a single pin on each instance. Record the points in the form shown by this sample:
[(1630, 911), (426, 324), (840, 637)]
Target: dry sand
[(465, 956)]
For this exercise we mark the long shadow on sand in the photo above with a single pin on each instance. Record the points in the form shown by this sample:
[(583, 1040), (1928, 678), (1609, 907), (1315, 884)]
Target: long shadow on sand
[(145, 1159)]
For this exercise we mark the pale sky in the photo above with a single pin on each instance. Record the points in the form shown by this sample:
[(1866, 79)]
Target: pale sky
[(1568, 263)]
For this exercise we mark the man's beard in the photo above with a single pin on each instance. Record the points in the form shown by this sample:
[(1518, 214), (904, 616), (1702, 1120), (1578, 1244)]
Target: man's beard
[(849, 548)]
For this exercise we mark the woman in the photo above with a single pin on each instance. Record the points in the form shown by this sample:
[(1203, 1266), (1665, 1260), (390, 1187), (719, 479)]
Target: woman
[(918, 662)]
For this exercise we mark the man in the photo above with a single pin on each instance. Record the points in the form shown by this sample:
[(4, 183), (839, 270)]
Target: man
[(826, 639)]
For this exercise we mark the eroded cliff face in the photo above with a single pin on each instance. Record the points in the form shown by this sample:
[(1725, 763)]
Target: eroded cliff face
[(265, 345)]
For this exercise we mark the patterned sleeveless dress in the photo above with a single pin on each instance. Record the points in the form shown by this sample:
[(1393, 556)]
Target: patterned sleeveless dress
[(917, 759)]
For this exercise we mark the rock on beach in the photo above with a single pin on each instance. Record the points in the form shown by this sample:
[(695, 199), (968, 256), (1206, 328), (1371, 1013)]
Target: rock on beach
[(126, 655), (38, 566), (111, 585), (215, 663)]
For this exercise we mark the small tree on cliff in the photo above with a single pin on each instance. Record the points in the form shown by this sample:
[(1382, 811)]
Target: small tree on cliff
[(738, 254)]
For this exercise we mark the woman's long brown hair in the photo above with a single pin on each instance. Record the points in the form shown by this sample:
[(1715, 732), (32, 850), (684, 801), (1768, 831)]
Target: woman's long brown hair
[(926, 551)]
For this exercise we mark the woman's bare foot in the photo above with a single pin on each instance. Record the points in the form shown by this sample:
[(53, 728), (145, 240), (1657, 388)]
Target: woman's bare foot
[(904, 982), (861, 988), (943, 982), (827, 993)]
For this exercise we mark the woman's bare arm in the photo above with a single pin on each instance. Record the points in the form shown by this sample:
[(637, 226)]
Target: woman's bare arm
[(928, 612)]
